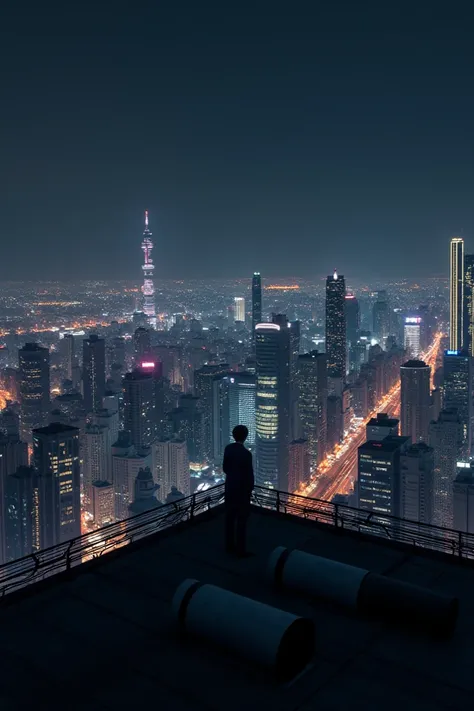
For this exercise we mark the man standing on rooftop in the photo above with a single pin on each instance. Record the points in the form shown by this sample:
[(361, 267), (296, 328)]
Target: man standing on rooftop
[(239, 482)]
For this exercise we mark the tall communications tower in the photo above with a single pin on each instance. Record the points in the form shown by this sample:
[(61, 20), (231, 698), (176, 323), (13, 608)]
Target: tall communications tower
[(148, 288)]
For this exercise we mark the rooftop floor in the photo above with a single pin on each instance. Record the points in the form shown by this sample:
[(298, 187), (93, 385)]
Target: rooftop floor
[(106, 639)]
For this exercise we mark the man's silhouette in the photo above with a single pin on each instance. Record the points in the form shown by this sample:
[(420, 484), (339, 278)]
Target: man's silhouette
[(239, 482)]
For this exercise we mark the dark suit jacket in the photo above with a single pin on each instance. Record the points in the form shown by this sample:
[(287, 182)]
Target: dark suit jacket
[(239, 479)]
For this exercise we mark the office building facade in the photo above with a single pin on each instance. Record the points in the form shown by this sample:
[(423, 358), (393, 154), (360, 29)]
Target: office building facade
[(417, 483), (34, 388), (336, 346), (463, 497), (445, 437), (412, 336), (171, 467), (272, 403), (456, 293), (379, 475), (415, 400), (457, 372), (93, 372), (256, 301), (139, 407), (56, 459), (312, 394)]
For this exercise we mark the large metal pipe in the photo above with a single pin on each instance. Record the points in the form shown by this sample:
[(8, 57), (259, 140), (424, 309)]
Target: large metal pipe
[(268, 636), (373, 594)]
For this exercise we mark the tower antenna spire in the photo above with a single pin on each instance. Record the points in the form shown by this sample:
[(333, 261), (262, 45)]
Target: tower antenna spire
[(146, 218)]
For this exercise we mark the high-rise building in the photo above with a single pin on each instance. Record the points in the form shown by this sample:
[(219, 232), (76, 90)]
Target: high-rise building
[(412, 336), (256, 301), (34, 387), (457, 370), (233, 403), (102, 503), (417, 483), (352, 318), (415, 400), (468, 305), (242, 405), (381, 318), (335, 422), (380, 427), (148, 288), (138, 407), (456, 293), (171, 467), (239, 309), (56, 459), (312, 393), (67, 353), (445, 437), (463, 497), (272, 404), (203, 388), (336, 345), (126, 463), (96, 445), (379, 475), (142, 345), (299, 464), (93, 372), (20, 534), (108, 418), (13, 454)]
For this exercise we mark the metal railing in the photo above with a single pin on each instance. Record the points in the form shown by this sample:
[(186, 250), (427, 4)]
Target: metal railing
[(400, 530), (65, 556)]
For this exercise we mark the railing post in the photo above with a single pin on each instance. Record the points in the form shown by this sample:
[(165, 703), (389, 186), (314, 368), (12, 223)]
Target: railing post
[(336, 514), (460, 544), (278, 502), (193, 504)]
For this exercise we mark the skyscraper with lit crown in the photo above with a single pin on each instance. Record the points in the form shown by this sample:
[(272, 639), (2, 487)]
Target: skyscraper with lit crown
[(336, 346), (148, 288), (456, 293), (256, 301)]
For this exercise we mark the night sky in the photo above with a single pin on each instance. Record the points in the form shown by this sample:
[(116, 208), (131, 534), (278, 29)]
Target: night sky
[(287, 137)]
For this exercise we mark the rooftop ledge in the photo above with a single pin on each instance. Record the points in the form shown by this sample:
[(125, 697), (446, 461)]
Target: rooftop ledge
[(101, 628)]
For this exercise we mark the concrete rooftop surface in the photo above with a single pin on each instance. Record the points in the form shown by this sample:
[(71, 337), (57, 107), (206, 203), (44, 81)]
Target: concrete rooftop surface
[(106, 638)]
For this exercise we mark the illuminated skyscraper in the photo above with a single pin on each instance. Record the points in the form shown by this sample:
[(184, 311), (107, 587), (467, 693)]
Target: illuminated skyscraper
[(34, 388), (103, 503), (239, 308), (148, 289), (256, 301), (412, 336), (468, 309), (457, 370), (93, 372), (463, 498), (56, 459), (336, 346), (415, 400), (272, 404), (312, 393), (456, 291), (379, 474)]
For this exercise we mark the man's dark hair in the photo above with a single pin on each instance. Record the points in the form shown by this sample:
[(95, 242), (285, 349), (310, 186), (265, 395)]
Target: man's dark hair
[(240, 433)]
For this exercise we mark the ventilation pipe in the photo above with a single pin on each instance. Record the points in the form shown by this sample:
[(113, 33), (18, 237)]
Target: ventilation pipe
[(359, 589), (268, 636)]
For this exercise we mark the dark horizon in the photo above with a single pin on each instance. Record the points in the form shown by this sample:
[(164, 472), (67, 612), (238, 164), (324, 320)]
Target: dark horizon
[(258, 140)]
